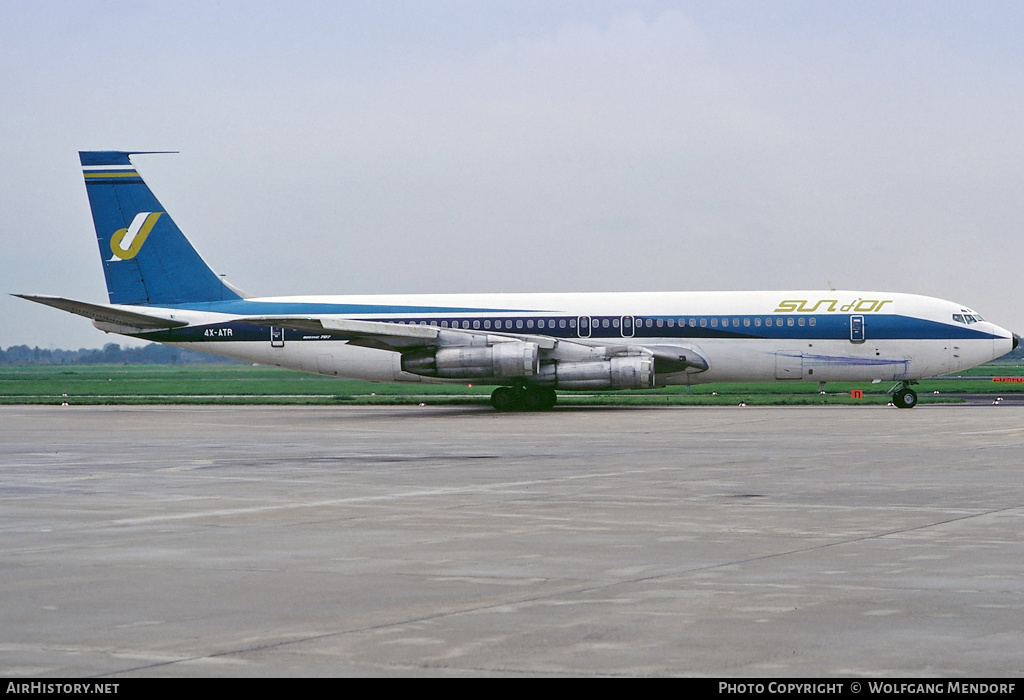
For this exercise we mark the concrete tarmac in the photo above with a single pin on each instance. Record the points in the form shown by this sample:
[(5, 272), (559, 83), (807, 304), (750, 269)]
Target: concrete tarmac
[(252, 541)]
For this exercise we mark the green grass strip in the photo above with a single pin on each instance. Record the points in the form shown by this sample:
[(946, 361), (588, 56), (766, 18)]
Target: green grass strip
[(245, 384)]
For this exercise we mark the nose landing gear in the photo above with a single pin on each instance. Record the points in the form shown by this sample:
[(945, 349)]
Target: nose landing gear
[(903, 396)]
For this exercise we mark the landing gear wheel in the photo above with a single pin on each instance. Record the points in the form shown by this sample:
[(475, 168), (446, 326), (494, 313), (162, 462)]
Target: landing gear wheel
[(540, 398), (503, 399), (523, 398), (904, 397)]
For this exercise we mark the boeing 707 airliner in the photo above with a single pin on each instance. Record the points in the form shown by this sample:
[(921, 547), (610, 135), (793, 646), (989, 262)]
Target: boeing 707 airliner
[(528, 345)]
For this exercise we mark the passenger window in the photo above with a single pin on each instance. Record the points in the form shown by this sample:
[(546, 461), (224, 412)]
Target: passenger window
[(693, 323), (800, 321), (813, 321), (561, 323), (465, 324), (671, 323), (529, 323), (735, 323), (476, 324), (519, 323), (444, 324), (703, 323), (714, 323), (746, 323), (757, 322), (789, 321)]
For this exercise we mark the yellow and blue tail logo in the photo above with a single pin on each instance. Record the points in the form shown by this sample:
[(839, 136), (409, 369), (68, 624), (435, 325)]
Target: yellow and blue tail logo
[(126, 242), (146, 258)]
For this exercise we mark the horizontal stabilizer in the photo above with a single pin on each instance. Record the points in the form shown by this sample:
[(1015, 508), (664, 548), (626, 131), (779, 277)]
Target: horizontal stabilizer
[(107, 314)]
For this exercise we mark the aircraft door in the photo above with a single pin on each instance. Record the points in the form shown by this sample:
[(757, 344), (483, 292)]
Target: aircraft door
[(276, 337), (627, 326), (583, 326), (857, 329)]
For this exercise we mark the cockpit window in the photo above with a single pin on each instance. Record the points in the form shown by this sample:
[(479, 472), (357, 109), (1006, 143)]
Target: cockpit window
[(959, 318)]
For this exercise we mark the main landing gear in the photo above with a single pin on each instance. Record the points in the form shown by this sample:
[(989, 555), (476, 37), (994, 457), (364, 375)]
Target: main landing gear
[(523, 398), (903, 396)]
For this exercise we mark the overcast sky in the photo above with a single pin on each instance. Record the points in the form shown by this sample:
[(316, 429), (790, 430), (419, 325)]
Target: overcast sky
[(473, 146)]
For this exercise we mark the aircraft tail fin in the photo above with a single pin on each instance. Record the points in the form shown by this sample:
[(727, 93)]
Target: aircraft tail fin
[(146, 258)]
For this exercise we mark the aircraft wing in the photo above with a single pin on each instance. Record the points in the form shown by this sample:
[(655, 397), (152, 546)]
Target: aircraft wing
[(107, 317), (403, 338), (398, 337)]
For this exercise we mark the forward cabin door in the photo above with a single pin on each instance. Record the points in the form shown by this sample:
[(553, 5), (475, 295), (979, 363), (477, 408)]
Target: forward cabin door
[(857, 329)]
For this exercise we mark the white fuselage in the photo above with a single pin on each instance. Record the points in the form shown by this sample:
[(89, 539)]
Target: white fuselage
[(743, 336)]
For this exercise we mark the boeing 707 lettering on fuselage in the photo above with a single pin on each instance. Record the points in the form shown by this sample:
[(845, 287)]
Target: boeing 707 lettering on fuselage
[(528, 345)]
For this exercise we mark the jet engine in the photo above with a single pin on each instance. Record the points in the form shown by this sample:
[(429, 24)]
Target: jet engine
[(620, 372), (511, 359)]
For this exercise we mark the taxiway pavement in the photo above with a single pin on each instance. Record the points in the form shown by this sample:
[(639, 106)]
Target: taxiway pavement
[(250, 541)]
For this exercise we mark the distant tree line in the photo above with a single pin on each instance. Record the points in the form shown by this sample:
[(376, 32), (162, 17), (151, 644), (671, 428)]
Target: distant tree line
[(111, 354)]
